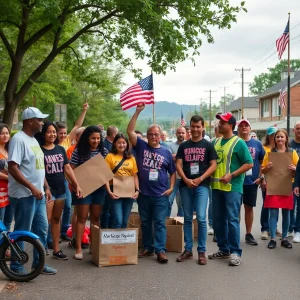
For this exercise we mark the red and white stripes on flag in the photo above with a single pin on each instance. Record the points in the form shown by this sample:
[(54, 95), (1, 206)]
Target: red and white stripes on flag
[(282, 95), (141, 92), (283, 40)]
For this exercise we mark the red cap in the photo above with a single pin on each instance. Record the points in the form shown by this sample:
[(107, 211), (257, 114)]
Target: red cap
[(244, 121), (227, 117)]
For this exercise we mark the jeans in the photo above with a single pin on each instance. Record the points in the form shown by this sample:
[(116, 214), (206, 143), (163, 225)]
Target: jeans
[(194, 197), (7, 215), (210, 217), (30, 215), (226, 210), (65, 223), (295, 215), (172, 197), (153, 211), (264, 215), (121, 209), (273, 219)]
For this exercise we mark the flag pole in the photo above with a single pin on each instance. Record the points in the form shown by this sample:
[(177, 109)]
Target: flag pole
[(289, 81), (153, 106)]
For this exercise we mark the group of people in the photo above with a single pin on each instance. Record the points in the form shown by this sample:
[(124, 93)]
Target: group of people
[(39, 187)]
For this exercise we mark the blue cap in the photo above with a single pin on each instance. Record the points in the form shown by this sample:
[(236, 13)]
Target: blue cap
[(271, 130)]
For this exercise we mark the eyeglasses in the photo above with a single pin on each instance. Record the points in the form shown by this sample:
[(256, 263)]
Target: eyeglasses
[(153, 134)]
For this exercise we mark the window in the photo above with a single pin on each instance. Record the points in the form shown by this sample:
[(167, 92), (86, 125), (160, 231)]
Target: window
[(265, 108), (276, 110)]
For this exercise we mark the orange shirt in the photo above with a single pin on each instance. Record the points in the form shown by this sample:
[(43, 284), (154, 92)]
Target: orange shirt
[(70, 151), (3, 189)]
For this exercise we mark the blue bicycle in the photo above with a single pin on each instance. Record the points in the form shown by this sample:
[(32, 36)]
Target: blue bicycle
[(16, 254)]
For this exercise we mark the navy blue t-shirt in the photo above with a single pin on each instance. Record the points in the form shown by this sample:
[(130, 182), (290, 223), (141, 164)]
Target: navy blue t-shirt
[(154, 164), (257, 153), (296, 146)]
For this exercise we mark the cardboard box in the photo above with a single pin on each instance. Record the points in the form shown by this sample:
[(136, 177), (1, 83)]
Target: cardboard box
[(175, 235), (114, 247), (134, 221)]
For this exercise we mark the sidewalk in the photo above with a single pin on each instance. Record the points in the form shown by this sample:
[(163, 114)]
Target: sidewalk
[(3, 281)]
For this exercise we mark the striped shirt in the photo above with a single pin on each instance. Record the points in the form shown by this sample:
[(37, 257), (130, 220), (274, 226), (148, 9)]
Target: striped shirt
[(78, 160)]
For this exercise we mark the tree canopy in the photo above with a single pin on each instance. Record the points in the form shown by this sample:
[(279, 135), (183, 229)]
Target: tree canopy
[(266, 80), (162, 32)]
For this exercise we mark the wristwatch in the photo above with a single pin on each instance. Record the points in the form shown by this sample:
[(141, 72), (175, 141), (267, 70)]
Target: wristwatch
[(262, 178), (137, 190)]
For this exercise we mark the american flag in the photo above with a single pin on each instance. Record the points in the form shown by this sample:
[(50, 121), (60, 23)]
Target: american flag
[(137, 93), (182, 121), (283, 40), (282, 95)]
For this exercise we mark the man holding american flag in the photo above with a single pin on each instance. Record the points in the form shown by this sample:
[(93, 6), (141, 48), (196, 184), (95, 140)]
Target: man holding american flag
[(154, 164)]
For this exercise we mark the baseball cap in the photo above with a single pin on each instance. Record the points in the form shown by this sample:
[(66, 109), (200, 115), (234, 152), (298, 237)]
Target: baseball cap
[(244, 121), (271, 130), (227, 117), (33, 112)]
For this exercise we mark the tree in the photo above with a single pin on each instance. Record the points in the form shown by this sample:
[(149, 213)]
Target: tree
[(265, 80), (164, 32), (228, 99)]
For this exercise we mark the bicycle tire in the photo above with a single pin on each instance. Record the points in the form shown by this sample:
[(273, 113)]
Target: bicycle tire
[(5, 267)]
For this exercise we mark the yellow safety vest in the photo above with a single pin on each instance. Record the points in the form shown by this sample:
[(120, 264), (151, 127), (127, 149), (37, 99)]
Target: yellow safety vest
[(223, 163)]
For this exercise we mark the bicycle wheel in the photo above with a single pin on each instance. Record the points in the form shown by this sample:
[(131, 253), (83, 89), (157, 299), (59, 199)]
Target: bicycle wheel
[(25, 247)]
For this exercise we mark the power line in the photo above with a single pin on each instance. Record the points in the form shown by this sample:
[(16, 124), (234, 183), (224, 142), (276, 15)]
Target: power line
[(295, 26)]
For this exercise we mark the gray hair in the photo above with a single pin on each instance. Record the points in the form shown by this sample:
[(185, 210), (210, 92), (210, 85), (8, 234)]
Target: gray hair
[(297, 123), (154, 126)]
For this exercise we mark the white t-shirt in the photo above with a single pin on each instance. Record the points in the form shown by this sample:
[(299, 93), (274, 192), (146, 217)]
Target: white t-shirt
[(26, 152)]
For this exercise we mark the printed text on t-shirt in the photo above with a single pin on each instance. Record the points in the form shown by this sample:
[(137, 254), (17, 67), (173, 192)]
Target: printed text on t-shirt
[(194, 154), (54, 163), (153, 160)]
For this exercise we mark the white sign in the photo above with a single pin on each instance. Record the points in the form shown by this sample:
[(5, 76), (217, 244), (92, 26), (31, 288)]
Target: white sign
[(118, 237)]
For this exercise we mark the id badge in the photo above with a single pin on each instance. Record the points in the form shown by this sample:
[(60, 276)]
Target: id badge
[(249, 172), (194, 167), (153, 175)]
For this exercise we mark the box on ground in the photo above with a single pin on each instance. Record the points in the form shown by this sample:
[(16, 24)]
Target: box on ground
[(114, 247), (134, 221), (175, 234)]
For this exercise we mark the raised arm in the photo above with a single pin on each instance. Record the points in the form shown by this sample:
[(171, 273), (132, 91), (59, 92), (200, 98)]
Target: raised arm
[(79, 121), (131, 125)]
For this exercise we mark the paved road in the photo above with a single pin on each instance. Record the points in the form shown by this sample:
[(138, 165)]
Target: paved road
[(263, 274)]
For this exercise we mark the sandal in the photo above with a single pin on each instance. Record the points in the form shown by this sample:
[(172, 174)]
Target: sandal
[(272, 244), (286, 244)]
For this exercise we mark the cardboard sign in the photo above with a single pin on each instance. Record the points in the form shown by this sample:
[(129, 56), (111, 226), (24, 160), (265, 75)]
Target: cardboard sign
[(114, 247), (279, 177), (93, 174), (124, 186)]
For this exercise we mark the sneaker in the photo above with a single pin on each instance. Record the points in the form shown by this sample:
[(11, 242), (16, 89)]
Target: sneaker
[(290, 233), (278, 233), (264, 235), (47, 270), (65, 238), (214, 239), (210, 231), (218, 254), (296, 238), (60, 255), (234, 260), (47, 251), (250, 239), (20, 271)]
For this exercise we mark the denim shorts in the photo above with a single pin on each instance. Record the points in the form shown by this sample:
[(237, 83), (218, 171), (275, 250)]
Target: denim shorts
[(97, 197), (59, 197)]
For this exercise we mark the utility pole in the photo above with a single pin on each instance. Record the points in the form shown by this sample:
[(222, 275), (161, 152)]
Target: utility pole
[(224, 99), (242, 70), (209, 126), (200, 105)]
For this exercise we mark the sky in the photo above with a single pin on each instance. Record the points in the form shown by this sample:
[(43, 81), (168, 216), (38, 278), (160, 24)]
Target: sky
[(247, 44)]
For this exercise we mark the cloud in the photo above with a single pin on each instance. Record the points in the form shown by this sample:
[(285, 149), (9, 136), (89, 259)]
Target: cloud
[(254, 33)]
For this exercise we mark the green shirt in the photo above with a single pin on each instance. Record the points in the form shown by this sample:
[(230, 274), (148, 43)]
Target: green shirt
[(240, 156)]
